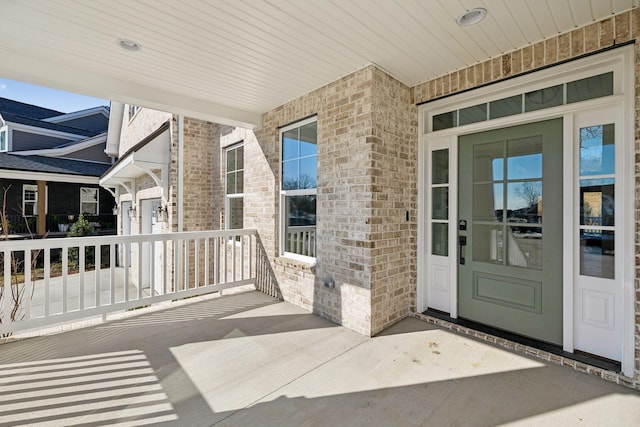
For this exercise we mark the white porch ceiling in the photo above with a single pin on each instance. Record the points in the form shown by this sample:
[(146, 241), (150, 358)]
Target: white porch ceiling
[(230, 60)]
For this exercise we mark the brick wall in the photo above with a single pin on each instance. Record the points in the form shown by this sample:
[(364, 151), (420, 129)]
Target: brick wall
[(393, 169), (367, 169), (203, 201)]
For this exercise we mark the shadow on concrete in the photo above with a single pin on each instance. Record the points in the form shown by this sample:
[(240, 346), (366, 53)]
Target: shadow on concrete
[(487, 400), (125, 370), (247, 359)]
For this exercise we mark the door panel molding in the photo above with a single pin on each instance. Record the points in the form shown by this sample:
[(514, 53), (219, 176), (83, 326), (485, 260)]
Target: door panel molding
[(525, 294)]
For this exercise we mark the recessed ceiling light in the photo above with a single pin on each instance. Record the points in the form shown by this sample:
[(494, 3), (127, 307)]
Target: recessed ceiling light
[(129, 45), (472, 17)]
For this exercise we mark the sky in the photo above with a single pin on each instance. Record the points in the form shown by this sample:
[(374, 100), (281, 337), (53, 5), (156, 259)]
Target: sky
[(48, 98)]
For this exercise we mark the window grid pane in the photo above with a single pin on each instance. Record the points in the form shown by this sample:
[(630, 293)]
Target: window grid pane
[(597, 201), (235, 170), (299, 168)]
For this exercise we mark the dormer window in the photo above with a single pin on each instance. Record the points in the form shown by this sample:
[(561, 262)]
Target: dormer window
[(4, 139)]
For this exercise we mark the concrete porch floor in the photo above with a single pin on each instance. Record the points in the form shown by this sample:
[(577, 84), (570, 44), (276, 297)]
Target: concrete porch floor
[(249, 360)]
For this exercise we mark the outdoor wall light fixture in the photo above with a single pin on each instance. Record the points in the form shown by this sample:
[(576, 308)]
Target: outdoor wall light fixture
[(114, 210), (472, 17), (160, 214), (129, 45), (132, 212)]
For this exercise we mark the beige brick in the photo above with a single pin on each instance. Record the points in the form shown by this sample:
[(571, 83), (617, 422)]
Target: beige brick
[(623, 27), (606, 33), (592, 37), (577, 43)]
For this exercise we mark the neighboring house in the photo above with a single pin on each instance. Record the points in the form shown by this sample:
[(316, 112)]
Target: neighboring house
[(49, 166)]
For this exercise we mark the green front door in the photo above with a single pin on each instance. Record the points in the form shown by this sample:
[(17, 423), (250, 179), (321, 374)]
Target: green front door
[(510, 248)]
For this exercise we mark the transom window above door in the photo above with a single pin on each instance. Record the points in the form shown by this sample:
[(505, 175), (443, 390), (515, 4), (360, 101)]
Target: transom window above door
[(561, 94)]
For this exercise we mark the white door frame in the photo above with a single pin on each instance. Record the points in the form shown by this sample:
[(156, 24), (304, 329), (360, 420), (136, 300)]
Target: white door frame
[(622, 63)]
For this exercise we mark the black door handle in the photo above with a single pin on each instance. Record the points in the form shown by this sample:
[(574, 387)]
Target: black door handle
[(462, 242)]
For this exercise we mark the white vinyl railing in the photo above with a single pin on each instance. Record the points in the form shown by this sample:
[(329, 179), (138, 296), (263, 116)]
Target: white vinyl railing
[(51, 281), (301, 240)]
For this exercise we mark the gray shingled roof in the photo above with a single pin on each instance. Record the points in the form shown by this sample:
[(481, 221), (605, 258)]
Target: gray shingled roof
[(51, 165), (26, 110), (46, 125)]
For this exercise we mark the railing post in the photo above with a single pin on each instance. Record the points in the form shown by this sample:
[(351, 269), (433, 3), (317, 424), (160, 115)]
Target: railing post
[(7, 287), (65, 277), (233, 255), (127, 261), (47, 280), (112, 273), (206, 262), (81, 258), (164, 266), (152, 266), (97, 260), (216, 260), (196, 263), (27, 285), (242, 275), (186, 264)]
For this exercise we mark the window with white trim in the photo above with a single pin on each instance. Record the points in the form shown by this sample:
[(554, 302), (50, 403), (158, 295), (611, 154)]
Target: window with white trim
[(88, 201), (4, 139), (29, 200), (133, 110), (299, 188), (234, 177)]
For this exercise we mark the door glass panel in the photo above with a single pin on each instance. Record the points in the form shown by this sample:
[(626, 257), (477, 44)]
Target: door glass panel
[(440, 239), (597, 150), (524, 202), (597, 253), (589, 88), (440, 203), (524, 158), (597, 201), (524, 247), (477, 113), (488, 162), (597, 205), (488, 202), (488, 243), (445, 120), (440, 167), (505, 107), (543, 98)]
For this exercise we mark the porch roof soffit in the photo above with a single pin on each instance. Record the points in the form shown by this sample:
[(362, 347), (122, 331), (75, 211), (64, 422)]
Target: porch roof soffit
[(230, 62)]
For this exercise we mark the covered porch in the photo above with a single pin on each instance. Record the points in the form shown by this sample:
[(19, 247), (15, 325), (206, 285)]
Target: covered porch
[(249, 359), (373, 80)]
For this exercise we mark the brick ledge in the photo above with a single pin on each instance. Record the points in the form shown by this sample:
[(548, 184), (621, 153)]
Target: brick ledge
[(526, 350)]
